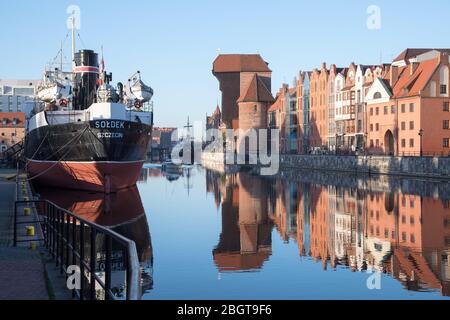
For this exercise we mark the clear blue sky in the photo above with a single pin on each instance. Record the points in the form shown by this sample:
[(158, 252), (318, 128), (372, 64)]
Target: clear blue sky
[(175, 42)]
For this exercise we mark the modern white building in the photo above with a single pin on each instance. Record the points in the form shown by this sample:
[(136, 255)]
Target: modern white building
[(13, 93)]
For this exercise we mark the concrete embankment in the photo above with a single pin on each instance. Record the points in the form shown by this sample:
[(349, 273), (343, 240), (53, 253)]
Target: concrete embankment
[(425, 167)]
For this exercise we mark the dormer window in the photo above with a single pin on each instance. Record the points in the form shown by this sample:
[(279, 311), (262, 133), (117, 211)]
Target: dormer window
[(444, 79)]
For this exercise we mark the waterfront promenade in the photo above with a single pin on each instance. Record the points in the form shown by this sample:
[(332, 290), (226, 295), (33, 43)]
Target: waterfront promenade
[(22, 271)]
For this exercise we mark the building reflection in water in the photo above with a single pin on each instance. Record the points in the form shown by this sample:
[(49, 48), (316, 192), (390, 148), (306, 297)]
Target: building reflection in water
[(121, 212), (404, 235), (245, 243)]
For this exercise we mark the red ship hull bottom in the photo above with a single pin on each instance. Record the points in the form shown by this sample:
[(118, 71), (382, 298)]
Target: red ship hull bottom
[(107, 177)]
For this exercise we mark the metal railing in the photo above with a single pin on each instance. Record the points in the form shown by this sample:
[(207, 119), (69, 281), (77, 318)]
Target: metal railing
[(97, 252)]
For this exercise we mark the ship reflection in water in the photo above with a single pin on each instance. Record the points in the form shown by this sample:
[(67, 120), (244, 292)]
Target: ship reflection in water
[(121, 212), (299, 236)]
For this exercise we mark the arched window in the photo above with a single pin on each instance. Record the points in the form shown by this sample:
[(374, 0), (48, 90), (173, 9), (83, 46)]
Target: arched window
[(377, 95)]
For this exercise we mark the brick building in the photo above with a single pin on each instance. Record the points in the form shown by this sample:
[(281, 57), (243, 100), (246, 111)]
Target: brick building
[(12, 129), (237, 74)]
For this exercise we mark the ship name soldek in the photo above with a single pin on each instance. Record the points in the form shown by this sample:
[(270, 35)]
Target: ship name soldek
[(109, 124)]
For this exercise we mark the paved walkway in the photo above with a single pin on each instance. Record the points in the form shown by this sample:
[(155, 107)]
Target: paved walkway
[(22, 275), (7, 195)]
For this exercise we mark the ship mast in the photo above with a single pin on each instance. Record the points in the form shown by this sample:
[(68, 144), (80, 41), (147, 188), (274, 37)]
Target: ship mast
[(73, 42)]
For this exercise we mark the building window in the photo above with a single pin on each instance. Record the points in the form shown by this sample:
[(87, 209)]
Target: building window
[(377, 111), (403, 108), (411, 107), (386, 109), (411, 204), (392, 109), (377, 127), (403, 143), (403, 125), (443, 89), (377, 95), (446, 125), (371, 143), (371, 111), (23, 92), (446, 106), (446, 142), (7, 90), (377, 142), (411, 125), (411, 143)]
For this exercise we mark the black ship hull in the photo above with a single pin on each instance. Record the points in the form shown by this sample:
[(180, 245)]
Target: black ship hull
[(100, 155)]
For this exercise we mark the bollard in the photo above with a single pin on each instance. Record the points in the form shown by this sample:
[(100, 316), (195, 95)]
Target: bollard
[(27, 212), (31, 232)]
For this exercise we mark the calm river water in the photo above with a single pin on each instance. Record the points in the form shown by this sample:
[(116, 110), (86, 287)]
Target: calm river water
[(300, 235)]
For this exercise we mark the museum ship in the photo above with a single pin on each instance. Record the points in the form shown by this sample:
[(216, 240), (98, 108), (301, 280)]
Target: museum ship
[(82, 133)]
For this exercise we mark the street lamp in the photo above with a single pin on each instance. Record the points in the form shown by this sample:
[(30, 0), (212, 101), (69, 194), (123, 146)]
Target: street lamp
[(421, 131)]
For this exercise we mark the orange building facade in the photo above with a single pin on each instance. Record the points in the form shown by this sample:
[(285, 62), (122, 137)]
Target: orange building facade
[(399, 109)]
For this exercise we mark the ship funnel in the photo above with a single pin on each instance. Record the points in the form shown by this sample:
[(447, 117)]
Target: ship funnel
[(86, 72)]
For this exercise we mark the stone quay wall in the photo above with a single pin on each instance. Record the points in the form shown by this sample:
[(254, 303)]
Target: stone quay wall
[(427, 167)]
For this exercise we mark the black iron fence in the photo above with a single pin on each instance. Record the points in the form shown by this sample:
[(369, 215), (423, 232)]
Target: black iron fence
[(105, 263)]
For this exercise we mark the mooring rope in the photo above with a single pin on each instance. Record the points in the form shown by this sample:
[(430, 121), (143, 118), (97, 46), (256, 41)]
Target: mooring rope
[(61, 158)]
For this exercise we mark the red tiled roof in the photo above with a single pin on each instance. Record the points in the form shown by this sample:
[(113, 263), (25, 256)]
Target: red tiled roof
[(240, 63), (410, 85), (256, 92), (277, 105), (350, 87), (414, 52), (7, 119)]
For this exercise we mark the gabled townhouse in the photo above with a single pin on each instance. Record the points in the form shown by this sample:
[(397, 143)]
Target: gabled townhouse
[(331, 108), (319, 108), (304, 89), (347, 111), (365, 76), (302, 111), (339, 84), (276, 120), (382, 118), (292, 120)]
